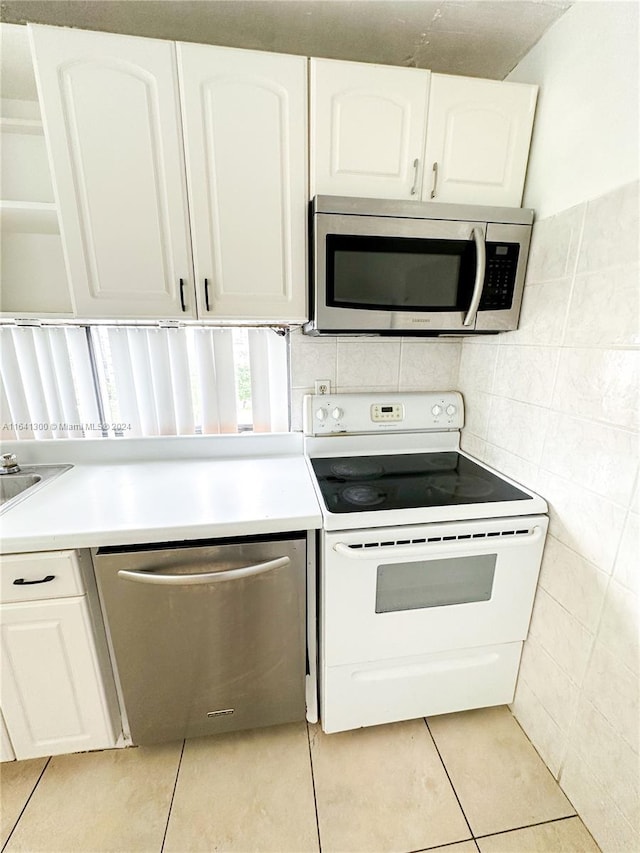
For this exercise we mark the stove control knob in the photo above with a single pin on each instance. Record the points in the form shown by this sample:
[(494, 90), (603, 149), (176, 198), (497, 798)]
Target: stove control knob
[(321, 414), (451, 410), (337, 413), (437, 410)]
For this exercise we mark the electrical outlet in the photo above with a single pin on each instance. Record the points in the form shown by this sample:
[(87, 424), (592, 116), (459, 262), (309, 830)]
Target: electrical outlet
[(323, 386)]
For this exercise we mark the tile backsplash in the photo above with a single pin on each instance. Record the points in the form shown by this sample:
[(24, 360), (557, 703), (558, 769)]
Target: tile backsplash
[(371, 364), (555, 405)]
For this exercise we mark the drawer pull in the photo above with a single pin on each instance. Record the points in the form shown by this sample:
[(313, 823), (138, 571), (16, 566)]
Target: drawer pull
[(23, 582)]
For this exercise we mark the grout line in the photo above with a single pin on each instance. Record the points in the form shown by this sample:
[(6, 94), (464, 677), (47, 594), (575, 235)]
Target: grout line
[(27, 802), (426, 722), (530, 826), (173, 794), (313, 785)]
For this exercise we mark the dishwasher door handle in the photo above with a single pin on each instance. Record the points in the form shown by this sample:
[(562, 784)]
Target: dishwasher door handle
[(204, 577)]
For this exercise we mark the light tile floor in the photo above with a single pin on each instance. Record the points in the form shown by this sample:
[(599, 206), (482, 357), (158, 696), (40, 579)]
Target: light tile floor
[(459, 783)]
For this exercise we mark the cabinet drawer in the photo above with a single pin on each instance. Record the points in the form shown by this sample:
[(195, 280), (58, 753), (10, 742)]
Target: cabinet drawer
[(46, 574)]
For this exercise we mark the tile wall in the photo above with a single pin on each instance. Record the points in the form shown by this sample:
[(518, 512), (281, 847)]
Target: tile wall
[(370, 364), (555, 405)]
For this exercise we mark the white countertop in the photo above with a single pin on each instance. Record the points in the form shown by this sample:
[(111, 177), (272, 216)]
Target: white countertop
[(216, 487)]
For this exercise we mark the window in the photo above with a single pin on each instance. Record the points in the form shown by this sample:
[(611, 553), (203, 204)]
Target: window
[(91, 381)]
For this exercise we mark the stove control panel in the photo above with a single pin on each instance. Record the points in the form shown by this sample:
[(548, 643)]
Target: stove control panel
[(332, 414)]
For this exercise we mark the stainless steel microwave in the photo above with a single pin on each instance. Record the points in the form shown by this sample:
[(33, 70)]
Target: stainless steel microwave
[(415, 268)]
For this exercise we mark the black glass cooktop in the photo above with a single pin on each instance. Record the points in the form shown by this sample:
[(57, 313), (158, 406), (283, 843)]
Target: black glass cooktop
[(408, 481)]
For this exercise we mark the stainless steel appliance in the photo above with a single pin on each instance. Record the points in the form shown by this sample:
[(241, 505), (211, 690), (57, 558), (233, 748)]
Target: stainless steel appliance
[(208, 636), (428, 561), (416, 268)]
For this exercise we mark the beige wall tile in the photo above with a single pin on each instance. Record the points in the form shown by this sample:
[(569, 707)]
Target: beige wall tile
[(561, 836), (582, 520), (517, 427), (613, 689), (543, 314), (596, 744), (560, 634), (109, 801), (611, 230), (477, 407), (574, 582), (499, 778), (553, 688), (544, 733), (477, 367), (554, 245), (601, 458), (526, 373), (620, 626), (429, 366), (245, 791), (598, 809), (383, 788), (604, 310), (309, 363), (599, 384), (473, 445), (17, 781), (368, 363), (519, 469), (627, 565)]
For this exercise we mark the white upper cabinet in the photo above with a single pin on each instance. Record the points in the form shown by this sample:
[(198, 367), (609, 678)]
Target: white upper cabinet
[(244, 115), (477, 141), (367, 129), (112, 118)]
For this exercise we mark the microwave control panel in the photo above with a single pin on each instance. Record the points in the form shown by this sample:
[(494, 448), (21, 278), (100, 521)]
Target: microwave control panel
[(500, 277)]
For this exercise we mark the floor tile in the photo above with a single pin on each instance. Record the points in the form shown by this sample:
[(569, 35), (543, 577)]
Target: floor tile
[(17, 781), (115, 800), (462, 847), (561, 836), (245, 791), (500, 779), (383, 788)]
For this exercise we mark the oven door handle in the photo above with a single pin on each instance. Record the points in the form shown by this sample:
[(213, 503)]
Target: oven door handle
[(430, 549), (481, 264)]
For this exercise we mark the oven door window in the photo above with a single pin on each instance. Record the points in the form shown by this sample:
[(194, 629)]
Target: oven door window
[(434, 583), (399, 273)]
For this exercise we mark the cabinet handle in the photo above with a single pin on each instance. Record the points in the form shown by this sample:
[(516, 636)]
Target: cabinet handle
[(206, 294), (182, 305), (414, 188), (434, 185), (23, 582)]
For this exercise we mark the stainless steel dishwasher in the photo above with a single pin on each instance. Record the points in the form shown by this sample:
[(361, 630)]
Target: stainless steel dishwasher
[(208, 636)]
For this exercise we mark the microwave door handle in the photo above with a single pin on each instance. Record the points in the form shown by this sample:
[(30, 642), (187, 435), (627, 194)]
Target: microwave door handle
[(481, 263)]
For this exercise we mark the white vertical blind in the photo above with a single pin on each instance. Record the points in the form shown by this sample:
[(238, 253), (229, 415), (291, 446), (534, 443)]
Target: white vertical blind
[(141, 381), (269, 382)]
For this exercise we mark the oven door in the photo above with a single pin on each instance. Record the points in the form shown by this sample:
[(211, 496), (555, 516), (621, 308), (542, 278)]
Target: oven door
[(392, 274), (397, 592)]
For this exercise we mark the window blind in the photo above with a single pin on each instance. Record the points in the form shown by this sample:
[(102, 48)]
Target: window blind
[(71, 381)]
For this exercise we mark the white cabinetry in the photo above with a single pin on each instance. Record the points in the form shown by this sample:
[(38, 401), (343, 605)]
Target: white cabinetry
[(367, 129), (112, 116), (477, 141), (386, 132), (245, 128), (114, 122), (33, 274), (6, 750), (55, 694)]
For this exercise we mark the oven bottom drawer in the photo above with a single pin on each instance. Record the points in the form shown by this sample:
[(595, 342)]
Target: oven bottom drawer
[(368, 694)]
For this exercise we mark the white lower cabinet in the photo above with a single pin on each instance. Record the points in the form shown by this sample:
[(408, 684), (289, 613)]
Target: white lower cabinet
[(55, 694), (6, 749)]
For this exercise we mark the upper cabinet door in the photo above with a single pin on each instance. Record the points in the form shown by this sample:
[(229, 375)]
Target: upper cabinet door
[(112, 120), (478, 136), (245, 128), (367, 129)]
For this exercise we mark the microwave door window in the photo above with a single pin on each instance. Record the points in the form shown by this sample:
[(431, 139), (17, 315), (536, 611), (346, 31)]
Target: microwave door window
[(399, 274)]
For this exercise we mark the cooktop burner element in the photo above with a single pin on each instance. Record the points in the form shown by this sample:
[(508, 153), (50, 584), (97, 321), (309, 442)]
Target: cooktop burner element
[(357, 468), (407, 481), (363, 496)]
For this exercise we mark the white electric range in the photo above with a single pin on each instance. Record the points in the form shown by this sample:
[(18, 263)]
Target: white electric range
[(428, 561)]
